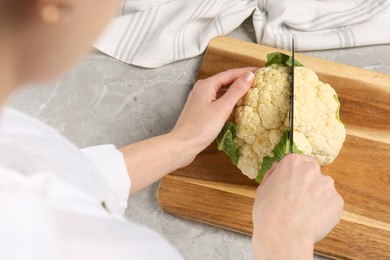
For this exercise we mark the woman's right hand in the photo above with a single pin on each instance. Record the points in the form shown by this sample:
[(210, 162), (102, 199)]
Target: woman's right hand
[(295, 207)]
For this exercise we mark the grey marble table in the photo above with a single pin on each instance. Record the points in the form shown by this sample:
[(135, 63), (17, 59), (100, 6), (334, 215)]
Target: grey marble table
[(103, 101)]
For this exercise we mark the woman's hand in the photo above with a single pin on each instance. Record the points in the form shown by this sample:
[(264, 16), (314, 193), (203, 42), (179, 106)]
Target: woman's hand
[(203, 116), (208, 108), (295, 207)]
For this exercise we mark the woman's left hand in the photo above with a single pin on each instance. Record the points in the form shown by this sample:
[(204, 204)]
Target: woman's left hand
[(203, 117), (207, 108)]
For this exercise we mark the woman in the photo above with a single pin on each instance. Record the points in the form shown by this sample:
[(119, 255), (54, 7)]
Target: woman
[(57, 202)]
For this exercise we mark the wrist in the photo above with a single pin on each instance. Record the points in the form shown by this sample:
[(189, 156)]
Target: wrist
[(279, 245), (185, 150)]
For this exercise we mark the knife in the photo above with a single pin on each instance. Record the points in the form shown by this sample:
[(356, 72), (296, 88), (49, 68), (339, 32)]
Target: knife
[(291, 114)]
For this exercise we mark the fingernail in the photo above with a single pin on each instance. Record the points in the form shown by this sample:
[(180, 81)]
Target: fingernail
[(249, 76)]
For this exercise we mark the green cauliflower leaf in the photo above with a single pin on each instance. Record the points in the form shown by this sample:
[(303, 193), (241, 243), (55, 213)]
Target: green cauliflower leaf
[(338, 108), (225, 141), (281, 58), (279, 151)]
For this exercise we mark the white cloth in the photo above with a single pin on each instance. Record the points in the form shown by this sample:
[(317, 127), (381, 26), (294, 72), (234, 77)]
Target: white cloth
[(152, 33), (57, 202)]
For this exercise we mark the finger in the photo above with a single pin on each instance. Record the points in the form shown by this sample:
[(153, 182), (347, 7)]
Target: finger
[(227, 77), (290, 161), (307, 158), (236, 91), (268, 173), (328, 182)]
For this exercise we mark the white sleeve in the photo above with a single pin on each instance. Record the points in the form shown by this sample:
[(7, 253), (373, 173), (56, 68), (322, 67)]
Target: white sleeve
[(111, 164), (46, 218)]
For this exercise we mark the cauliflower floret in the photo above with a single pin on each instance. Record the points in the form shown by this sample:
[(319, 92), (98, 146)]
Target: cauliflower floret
[(273, 87), (302, 143), (248, 161), (262, 117), (266, 141), (327, 141), (249, 122)]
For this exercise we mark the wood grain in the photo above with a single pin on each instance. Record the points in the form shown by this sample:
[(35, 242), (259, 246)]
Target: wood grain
[(213, 191)]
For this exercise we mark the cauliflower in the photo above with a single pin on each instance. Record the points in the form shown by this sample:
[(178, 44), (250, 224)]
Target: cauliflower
[(258, 135)]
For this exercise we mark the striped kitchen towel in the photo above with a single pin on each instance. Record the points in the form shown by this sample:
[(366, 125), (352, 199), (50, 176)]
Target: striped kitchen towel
[(152, 33)]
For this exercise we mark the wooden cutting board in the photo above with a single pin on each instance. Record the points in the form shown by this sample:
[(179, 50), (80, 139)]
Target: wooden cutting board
[(213, 191)]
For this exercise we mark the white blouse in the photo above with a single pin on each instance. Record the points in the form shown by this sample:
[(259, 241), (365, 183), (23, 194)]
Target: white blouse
[(59, 202)]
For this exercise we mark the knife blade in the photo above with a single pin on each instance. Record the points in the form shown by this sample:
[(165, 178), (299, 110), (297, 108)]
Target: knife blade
[(291, 114)]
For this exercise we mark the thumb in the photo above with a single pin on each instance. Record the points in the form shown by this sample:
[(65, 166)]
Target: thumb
[(237, 90)]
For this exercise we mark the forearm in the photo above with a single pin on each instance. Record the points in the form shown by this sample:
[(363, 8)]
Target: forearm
[(148, 161)]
